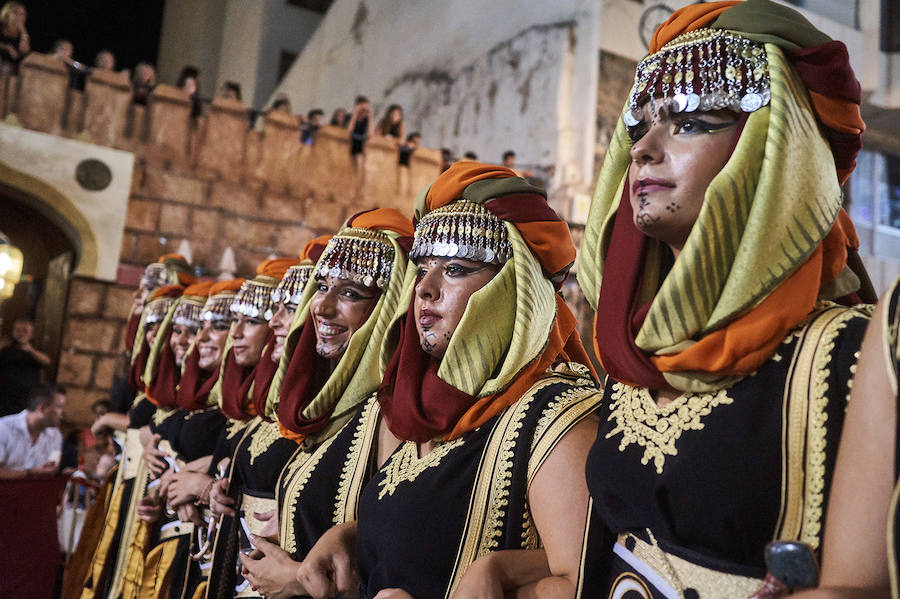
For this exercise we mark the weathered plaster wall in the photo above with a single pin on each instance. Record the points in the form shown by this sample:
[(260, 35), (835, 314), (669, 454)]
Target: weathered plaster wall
[(499, 75), (43, 167), (192, 35)]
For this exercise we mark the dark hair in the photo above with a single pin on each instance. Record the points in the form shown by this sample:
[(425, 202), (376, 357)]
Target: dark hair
[(413, 135), (385, 126), (281, 101), (58, 44), (508, 154), (314, 113), (102, 403), (188, 72), (233, 86), (23, 319), (43, 395), (470, 155), (334, 117), (360, 100)]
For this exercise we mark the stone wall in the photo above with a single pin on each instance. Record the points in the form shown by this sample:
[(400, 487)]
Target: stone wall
[(211, 181)]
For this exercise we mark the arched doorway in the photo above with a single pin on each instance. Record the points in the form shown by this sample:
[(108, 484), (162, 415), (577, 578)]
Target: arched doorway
[(51, 249)]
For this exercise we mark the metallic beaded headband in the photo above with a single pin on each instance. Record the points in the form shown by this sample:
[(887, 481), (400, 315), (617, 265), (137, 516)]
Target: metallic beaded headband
[(706, 69), (218, 307), (361, 255), (462, 229), (189, 312), (156, 310), (255, 297), (291, 286)]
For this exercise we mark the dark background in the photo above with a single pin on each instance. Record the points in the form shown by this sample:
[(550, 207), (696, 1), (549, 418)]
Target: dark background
[(128, 28)]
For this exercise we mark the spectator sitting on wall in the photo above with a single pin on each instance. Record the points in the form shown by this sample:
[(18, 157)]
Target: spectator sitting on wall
[(105, 61), (14, 40), (406, 149), (311, 126), (360, 128), (509, 161), (30, 441), (143, 82), (230, 90), (339, 118), (391, 124), (446, 158), (20, 367), (63, 50), (189, 83)]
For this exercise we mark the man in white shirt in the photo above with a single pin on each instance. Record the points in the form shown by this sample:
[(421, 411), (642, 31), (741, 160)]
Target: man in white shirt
[(30, 442)]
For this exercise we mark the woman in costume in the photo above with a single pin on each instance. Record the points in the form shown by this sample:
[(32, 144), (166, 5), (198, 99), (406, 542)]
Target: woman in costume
[(485, 406), (260, 451), (107, 567), (332, 363), (183, 441), (714, 247)]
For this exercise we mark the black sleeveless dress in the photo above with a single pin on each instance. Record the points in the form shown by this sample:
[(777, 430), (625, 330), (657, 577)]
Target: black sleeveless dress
[(320, 488), (423, 521), (686, 496), (258, 459)]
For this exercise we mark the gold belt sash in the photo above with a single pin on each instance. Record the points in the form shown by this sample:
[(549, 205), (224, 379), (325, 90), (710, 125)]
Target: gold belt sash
[(676, 574), (175, 528), (252, 505)]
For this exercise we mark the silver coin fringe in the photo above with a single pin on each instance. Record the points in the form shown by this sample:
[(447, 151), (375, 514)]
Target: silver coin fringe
[(462, 229), (360, 255), (703, 70)]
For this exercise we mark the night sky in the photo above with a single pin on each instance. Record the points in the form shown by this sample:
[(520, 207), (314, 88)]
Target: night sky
[(129, 28)]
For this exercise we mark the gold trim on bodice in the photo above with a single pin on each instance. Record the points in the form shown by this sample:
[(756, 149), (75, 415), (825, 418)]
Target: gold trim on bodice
[(657, 428)]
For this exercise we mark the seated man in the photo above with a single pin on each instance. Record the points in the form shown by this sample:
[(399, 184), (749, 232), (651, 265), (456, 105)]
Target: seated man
[(30, 442)]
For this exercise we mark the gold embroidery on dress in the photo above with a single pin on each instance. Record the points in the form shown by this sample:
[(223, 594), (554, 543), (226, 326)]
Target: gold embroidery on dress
[(234, 427), (530, 538), (406, 465), (262, 439), (562, 413), (656, 428), (816, 435), (161, 414), (353, 471), (298, 475)]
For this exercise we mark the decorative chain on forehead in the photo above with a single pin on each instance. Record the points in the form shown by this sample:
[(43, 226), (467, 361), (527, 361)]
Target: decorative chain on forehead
[(218, 307), (360, 255), (290, 288), (255, 297), (704, 70), (462, 229), (157, 309), (189, 312)]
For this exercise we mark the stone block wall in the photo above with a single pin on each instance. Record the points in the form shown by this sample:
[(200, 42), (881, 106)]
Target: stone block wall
[(211, 181)]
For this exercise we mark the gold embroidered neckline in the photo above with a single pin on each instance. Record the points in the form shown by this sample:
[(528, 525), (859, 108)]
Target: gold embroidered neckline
[(656, 428), (262, 439), (406, 465)]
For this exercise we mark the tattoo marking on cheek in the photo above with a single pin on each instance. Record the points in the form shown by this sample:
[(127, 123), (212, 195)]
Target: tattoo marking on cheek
[(673, 207), (643, 218)]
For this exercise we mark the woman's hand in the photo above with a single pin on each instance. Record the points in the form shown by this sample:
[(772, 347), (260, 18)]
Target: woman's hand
[(398, 594), (481, 580), (271, 571), (188, 513), (219, 501), (149, 508), (270, 529), (186, 486), (154, 458), (330, 566)]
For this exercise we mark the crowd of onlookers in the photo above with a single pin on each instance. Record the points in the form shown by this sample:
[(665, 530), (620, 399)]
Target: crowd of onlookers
[(360, 122)]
